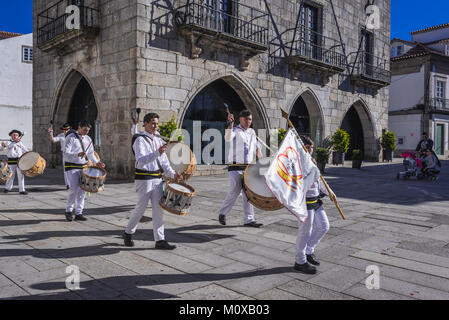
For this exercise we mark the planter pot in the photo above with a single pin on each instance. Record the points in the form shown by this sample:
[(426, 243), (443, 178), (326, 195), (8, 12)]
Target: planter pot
[(356, 164), (338, 158), (387, 155), (321, 166)]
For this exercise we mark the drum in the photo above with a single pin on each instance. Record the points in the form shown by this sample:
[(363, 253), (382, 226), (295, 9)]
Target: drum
[(92, 179), (5, 171), (32, 164), (181, 159), (177, 198), (256, 189)]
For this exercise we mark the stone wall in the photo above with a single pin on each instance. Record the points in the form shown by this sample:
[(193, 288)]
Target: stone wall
[(140, 59)]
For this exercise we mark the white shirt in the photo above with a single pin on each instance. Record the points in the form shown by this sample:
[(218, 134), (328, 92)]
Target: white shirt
[(14, 149), (147, 154), (316, 188), (73, 147), (61, 139), (243, 145)]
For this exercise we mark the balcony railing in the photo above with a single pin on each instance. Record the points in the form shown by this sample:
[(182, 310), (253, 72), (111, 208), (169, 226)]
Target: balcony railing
[(52, 22), (316, 47), (370, 67), (226, 18), (439, 104)]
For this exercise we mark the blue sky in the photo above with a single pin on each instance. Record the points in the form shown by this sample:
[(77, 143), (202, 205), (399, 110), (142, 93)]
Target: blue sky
[(407, 16)]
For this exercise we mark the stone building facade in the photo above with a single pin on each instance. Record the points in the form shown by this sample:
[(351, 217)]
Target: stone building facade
[(315, 59)]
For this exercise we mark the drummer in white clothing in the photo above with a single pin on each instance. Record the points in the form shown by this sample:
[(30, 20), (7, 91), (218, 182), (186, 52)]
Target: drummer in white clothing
[(61, 139), (77, 151), (151, 159), (244, 146), (315, 226), (14, 150)]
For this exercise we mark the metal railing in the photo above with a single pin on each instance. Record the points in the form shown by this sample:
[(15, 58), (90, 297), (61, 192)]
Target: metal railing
[(371, 66), (439, 104), (227, 17), (52, 22), (314, 45)]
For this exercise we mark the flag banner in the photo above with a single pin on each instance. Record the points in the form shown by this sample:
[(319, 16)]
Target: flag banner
[(290, 175)]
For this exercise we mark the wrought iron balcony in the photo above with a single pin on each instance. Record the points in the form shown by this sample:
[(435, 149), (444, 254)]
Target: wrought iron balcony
[(370, 69), (315, 52), (227, 20), (54, 30), (440, 104)]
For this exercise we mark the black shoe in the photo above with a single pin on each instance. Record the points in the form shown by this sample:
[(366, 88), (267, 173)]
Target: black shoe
[(305, 268), (222, 219), (6, 191), (80, 217), (164, 245), (128, 239), (67, 187), (253, 224), (311, 259), (69, 216), (24, 193)]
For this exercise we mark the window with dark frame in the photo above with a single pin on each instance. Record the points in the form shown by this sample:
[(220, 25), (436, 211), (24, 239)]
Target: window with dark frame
[(27, 54), (310, 27)]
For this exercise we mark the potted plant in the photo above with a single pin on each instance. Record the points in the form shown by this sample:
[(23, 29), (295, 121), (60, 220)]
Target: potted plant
[(357, 158), (340, 144), (322, 158), (170, 130), (388, 143)]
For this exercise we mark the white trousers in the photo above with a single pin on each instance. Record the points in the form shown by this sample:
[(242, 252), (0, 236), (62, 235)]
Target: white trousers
[(310, 233), (148, 190), (66, 177), (235, 189), (75, 200), (20, 178)]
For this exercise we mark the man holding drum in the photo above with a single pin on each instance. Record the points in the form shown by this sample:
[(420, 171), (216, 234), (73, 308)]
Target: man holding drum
[(243, 147), (77, 151), (61, 139), (14, 150), (150, 160)]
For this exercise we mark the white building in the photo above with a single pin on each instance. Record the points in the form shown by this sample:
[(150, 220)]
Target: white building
[(419, 85), (16, 85)]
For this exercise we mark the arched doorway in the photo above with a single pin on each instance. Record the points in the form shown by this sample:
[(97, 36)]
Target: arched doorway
[(306, 117), (207, 111), (84, 108), (357, 122)]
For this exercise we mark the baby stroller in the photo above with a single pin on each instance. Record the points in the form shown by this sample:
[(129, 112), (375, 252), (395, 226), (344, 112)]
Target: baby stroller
[(412, 166)]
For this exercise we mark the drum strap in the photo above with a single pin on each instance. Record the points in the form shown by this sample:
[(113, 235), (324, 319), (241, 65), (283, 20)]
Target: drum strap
[(13, 161), (147, 138), (74, 166), (147, 175)]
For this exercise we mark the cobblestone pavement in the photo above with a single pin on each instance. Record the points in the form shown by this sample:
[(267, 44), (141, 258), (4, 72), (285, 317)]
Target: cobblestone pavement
[(402, 227)]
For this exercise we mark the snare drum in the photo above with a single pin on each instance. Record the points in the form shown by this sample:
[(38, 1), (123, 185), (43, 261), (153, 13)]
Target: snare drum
[(177, 198), (92, 179), (256, 189), (181, 159), (32, 164), (5, 171)]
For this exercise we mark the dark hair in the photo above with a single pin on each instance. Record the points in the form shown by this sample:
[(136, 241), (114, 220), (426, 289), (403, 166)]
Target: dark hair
[(424, 133), (245, 113), (150, 116), (84, 124), (307, 140)]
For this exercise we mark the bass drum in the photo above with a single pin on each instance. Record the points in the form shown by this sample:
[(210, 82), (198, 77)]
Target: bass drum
[(32, 164), (181, 159), (5, 171), (256, 189)]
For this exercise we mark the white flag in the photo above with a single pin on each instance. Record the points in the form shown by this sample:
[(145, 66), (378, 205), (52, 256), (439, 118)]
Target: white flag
[(290, 175)]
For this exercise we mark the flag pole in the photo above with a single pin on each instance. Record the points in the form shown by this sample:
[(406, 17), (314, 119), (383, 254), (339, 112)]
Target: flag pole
[(290, 124)]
